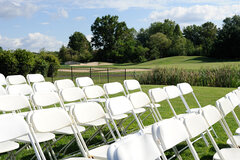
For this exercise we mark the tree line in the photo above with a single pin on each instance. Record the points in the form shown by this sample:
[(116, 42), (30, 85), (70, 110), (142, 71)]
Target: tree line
[(113, 41)]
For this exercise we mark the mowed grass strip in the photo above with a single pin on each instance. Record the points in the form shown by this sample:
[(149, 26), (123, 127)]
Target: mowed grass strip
[(206, 95), (184, 62)]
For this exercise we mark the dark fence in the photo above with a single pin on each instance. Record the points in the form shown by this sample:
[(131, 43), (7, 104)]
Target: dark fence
[(99, 75)]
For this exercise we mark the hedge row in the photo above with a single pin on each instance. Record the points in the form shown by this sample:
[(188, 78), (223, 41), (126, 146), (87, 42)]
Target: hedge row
[(226, 76)]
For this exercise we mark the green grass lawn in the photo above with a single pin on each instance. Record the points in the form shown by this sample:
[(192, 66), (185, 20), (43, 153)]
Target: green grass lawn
[(185, 62), (206, 95)]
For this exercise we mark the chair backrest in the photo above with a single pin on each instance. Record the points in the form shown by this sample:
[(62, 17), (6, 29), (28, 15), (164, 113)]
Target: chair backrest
[(134, 147), (157, 95), (224, 105), (48, 120), (119, 105), (237, 92), (44, 99), (169, 132), (195, 124), (87, 112), (2, 90), (44, 87), (139, 99), (72, 94), (33, 78), (185, 88), (84, 81), (20, 89), (113, 88), (93, 91), (211, 114), (10, 103), (172, 92), (64, 83), (12, 126), (2, 80), (233, 98), (15, 79), (131, 84)]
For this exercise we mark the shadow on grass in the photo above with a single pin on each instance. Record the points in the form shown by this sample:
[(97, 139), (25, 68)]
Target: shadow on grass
[(207, 59)]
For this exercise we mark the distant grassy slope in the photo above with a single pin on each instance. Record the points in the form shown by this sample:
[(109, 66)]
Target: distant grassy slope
[(185, 62)]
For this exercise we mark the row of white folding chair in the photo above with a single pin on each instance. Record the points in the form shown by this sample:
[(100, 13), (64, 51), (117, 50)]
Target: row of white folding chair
[(90, 114), (157, 95), (14, 126), (122, 105)]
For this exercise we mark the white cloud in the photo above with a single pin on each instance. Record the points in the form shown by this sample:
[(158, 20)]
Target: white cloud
[(33, 42), (62, 13), (89, 37), (44, 23), (79, 18), (119, 4), (197, 13), (147, 4), (16, 8)]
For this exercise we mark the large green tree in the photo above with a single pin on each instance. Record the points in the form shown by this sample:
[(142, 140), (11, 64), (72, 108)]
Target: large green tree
[(228, 39), (80, 47), (159, 44), (114, 41)]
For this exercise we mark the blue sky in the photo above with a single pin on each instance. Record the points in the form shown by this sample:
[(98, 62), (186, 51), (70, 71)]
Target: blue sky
[(37, 24)]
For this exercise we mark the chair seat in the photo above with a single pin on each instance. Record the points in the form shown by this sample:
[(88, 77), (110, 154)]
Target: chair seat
[(237, 131), (97, 122), (139, 110), (237, 139), (228, 154), (99, 152), (117, 117), (8, 146), (68, 130), (41, 137)]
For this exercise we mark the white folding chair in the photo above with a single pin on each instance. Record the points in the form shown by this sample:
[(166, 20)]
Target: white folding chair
[(196, 123), (20, 89), (131, 85), (95, 93), (113, 88), (84, 81), (91, 114), (48, 99), (71, 96), (15, 103), (2, 90), (137, 146), (157, 95), (2, 80), (44, 87), (52, 119), (186, 89), (235, 101), (64, 83), (173, 92), (15, 79), (225, 107), (120, 105), (12, 127), (170, 132), (33, 78)]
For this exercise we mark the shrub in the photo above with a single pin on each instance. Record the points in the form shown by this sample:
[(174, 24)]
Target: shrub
[(25, 61), (226, 76), (8, 63), (53, 63)]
